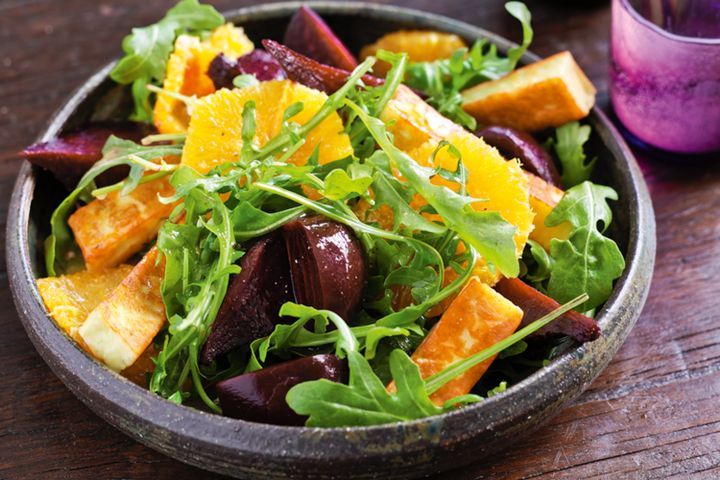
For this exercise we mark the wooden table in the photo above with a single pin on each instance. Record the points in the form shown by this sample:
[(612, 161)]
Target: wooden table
[(654, 413)]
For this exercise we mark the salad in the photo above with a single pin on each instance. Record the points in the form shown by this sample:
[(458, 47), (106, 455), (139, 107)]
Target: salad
[(287, 233)]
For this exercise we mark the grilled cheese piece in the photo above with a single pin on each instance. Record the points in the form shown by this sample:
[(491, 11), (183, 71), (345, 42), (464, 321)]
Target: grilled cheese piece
[(112, 229), (122, 326), (548, 93)]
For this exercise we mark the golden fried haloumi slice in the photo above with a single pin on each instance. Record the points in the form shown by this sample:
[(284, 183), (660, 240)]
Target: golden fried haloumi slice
[(477, 319), (548, 93), (122, 326), (110, 230)]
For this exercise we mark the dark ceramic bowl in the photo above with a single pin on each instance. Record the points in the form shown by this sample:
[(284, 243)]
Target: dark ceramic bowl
[(410, 449)]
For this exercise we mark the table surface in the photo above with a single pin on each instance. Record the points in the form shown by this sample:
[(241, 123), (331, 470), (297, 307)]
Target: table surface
[(653, 413)]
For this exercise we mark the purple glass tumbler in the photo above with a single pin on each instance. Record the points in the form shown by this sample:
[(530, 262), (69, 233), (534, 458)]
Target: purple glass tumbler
[(665, 72)]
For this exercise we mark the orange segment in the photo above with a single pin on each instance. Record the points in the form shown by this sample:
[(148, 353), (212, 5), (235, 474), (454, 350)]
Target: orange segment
[(543, 199), (420, 45), (501, 183), (186, 73), (70, 298), (413, 122), (215, 131)]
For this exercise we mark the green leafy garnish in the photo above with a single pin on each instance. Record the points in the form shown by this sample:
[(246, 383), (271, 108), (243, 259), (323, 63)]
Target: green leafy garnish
[(568, 146), (147, 50), (443, 80), (487, 232), (366, 401), (587, 262)]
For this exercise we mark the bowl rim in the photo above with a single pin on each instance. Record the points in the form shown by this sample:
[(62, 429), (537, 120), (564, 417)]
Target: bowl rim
[(161, 424)]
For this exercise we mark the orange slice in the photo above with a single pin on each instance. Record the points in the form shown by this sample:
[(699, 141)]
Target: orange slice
[(215, 131), (186, 73), (420, 45)]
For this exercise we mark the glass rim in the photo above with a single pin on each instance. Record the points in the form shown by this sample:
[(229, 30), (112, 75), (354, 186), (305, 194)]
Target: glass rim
[(661, 31)]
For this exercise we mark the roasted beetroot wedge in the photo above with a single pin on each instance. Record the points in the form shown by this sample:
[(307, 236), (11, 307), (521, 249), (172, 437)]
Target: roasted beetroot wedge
[(535, 305), (253, 300), (72, 154), (260, 396), (327, 265), (311, 73), (308, 34), (514, 143), (259, 63)]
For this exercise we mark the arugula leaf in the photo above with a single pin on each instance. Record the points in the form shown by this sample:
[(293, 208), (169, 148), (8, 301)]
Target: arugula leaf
[(147, 50), (568, 146), (245, 80), (343, 184), (364, 401), (587, 261), (443, 80), (286, 337), (502, 386), (542, 264), (487, 232)]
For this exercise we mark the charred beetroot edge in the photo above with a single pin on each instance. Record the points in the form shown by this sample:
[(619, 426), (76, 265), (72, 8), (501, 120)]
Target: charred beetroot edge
[(535, 305), (260, 396)]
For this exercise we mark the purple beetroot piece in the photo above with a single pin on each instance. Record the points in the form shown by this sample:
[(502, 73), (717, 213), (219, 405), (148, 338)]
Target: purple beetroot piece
[(72, 154), (327, 266), (517, 144), (308, 34), (312, 73), (313, 261), (259, 63), (260, 396), (253, 299)]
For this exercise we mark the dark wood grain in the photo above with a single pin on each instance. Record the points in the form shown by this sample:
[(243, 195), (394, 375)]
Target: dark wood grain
[(654, 413)]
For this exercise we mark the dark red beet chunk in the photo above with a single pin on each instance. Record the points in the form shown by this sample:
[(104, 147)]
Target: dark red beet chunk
[(259, 63), (260, 396), (308, 34), (326, 264), (516, 144), (222, 70), (253, 300), (72, 154), (311, 73), (536, 305)]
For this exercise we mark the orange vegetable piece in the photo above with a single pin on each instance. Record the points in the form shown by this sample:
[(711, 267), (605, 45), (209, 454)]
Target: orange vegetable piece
[(420, 45), (186, 73), (477, 319), (70, 298), (215, 132), (122, 326), (543, 198), (548, 93), (112, 229)]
